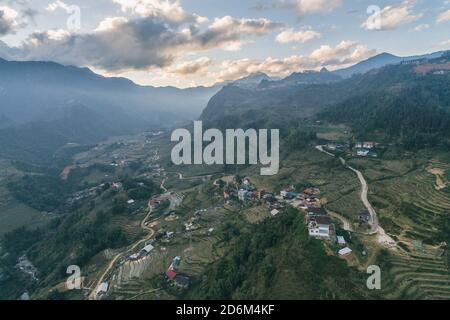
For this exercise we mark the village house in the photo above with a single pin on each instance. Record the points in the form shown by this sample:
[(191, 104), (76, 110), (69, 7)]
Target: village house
[(103, 288), (368, 145), (170, 235), (268, 197), (244, 195), (361, 152), (317, 211), (344, 252), (134, 256), (364, 217), (260, 194), (341, 240), (288, 194), (189, 226), (320, 227), (274, 212), (117, 185), (172, 271), (147, 249), (171, 274)]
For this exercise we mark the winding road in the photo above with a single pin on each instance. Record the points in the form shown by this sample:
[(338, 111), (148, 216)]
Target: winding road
[(93, 294), (375, 228)]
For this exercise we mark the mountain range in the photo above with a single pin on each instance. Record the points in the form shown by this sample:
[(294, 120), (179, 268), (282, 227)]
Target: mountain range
[(48, 104), (45, 105), (398, 100)]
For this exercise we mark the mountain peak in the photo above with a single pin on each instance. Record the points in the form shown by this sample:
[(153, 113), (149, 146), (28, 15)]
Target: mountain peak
[(384, 55), (381, 60)]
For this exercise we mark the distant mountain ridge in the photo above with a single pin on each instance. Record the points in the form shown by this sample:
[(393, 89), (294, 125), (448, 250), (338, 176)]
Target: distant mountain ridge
[(30, 88), (381, 60), (43, 101), (325, 76), (275, 104)]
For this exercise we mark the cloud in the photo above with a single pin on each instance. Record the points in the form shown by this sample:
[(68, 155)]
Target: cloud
[(58, 5), (7, 52), (305, 7), (422, 27), (444, 16), (140, 43), (170, 10), (302, 36), (8, 20), (236, 69), (227, 32), (392, 17), (110, 23), (190, 68), (344, 53), (205, 71)]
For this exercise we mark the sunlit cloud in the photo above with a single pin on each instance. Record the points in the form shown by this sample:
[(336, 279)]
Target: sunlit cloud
[(443, 17), (392, 17), (8, 20), (302, 36)]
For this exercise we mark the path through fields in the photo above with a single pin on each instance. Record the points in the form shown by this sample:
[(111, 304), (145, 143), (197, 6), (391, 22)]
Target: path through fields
[(375, 228)]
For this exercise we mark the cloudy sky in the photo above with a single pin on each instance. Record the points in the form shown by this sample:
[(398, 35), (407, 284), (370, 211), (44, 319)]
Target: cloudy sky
[(200, 42)]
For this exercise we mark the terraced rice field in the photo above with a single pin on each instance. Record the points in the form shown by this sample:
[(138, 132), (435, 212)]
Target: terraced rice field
[(131, 229), (420, 271), (412, 202), (135, 289), (349, 205), (195, 258), (418, 275)]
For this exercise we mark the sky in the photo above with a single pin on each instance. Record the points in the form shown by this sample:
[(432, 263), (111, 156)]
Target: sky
[(185, 43)]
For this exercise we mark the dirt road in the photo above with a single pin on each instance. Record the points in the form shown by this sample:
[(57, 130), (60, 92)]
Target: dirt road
[(162, 184), (93, 294), (375, 228), (174, 202), (346, 225)]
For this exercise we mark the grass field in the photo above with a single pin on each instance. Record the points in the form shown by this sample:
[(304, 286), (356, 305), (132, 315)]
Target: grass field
[(21, 215), (14, 214)]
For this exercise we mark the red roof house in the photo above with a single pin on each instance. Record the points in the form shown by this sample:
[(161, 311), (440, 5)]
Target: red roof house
[(171, 274)]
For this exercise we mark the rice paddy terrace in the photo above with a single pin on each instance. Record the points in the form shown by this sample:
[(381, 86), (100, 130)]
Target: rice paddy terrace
[(414, 209)]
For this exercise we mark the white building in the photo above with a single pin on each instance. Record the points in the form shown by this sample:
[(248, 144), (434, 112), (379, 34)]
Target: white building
[(345, 251), (341, 241), (242, 195), (148, 248), (320, 227), (332, 146), (274, 212), (103, 288), (369, 145), (134, 256), (362, 152)]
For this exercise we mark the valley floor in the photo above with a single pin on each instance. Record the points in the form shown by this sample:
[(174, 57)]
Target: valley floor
[(408, 195)]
